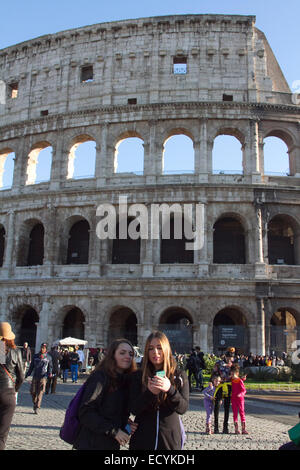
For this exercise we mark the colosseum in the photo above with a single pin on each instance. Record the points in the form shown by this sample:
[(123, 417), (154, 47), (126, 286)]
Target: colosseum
[(150, 80)]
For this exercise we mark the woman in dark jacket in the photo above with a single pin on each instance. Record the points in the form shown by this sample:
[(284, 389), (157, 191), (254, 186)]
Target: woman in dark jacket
[(159, 393), (11, 379), (103, 413)]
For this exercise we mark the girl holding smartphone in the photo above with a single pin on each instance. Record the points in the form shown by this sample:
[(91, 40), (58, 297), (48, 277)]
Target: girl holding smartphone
[(159, 393)]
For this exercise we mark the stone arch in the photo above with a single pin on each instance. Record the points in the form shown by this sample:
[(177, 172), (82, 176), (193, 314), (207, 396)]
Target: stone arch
[(82, 157), (7, 158), (173, 249), (230, 328), (128, 250), (229, 239), (178, 142), (286, 136), (78, 241), (31, 243), (73, 322), (129, 153), (227, 152), (122, 324), (25, 318), (283, 240), (66, 225), (177, 323), (284, 330), (40, 149)]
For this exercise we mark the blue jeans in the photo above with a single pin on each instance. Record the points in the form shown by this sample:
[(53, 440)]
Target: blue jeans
[(74, 372), (65, 374)]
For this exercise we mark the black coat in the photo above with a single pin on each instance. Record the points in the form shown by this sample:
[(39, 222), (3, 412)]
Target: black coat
[(102, 412), (143, 404)]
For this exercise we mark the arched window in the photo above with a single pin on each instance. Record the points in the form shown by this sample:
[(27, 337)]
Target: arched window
[(78, 243), (82, 158), (173, 248), (276, 157), (27, 332), (281, 241), (73, 324), (227, 155), (129, 156), (123, 324), (230, 329), (39, 163), (126, 251), (7, 159), (178, 155), (177, 324), (36, 246), (284, 330), (229, 241)]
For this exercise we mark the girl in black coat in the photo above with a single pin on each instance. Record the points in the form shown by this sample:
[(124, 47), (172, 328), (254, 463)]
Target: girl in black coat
[(158, 400), (103, 411)]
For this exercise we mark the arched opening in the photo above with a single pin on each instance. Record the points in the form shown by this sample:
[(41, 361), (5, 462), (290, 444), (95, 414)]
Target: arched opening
[(39, 163), (127, 250), (173, 242), (73, 324), (36, 246), (129, 156), (281, 241), (229, 242), (31, 243), (123, 324), (178, 155), (78, 243), (177, 324), (284, 330), (7, 160), (230, 329), (28, 326), (82, 158), (2, 244), (227, 155), (276, 157)]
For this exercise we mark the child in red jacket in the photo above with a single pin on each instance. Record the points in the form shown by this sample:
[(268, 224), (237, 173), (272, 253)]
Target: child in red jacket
[(238, 392)]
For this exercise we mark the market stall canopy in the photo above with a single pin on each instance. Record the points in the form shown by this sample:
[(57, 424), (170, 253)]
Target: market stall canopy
[(69, 341)]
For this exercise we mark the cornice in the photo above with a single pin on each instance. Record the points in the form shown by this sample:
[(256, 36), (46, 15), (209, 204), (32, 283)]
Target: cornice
[(256, 111)]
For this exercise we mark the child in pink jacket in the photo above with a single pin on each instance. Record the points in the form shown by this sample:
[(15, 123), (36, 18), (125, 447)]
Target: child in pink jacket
[(238, 392)]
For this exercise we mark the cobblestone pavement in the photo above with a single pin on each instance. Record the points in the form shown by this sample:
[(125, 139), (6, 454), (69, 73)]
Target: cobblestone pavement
[(41, 432)]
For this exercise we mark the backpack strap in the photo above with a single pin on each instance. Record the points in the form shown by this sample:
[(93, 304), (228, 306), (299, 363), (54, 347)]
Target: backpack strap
[(4, 368)]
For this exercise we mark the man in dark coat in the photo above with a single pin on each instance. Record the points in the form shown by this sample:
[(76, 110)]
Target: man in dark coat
[(41, 366)]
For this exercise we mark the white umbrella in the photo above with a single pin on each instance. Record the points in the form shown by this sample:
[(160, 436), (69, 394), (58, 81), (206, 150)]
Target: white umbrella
[(69, 341)]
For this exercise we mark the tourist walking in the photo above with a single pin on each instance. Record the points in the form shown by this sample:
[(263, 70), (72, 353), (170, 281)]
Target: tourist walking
[(74, 364), (41, 367), (238, 392), (11, 379), (52, 379), (223, 394), (103, 413), (159, 393), (193, 369), (26, 356)]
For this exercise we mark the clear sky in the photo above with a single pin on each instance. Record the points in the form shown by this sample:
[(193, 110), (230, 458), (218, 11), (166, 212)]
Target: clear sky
[(22, 20)]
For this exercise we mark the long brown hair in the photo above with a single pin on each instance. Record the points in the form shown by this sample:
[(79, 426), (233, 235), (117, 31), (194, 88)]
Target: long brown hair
[(169, 364), (108, 363), (9, 344)]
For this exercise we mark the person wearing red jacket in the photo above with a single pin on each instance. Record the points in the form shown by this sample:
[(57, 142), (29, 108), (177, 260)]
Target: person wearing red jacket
[(238, 392)]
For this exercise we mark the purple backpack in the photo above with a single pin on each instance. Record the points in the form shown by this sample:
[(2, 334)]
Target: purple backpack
[(69, 430)]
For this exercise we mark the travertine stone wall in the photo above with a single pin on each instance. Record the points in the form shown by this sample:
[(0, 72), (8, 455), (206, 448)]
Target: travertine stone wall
[(133, 59)]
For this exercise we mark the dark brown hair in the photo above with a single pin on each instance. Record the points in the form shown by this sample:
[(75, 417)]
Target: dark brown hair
[(108, 363)]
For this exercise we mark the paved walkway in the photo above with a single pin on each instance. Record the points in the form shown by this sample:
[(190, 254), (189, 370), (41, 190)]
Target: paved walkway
[(41, 432)]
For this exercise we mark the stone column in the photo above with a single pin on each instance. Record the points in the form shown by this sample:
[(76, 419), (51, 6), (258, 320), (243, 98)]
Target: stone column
[(153, 165), (21, 158), (203, 337), (253, 154), (202, 163), (42, 325), (260, 267), (8, 262), (101, 157), (260, 332), (57, 157)]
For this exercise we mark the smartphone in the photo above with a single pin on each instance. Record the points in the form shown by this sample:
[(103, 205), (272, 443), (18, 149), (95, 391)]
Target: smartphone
[(128, 429), (161, 373)]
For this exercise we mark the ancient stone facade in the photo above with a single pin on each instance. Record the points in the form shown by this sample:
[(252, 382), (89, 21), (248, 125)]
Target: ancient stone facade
[(109, 82)]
